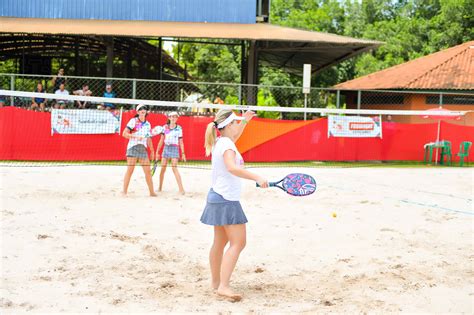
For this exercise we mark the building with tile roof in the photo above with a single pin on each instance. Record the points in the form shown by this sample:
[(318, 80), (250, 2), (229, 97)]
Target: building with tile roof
[(446, 76)]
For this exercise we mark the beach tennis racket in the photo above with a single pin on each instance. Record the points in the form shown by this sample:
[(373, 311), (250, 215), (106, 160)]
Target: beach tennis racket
[(153, 169), (154, 132), (296, 184)]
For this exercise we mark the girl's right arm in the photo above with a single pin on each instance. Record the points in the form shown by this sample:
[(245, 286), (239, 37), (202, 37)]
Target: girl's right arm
[(229, 161), (126, 134)]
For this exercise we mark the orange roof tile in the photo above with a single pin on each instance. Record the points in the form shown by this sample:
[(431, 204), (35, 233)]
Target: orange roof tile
[(452, 69)]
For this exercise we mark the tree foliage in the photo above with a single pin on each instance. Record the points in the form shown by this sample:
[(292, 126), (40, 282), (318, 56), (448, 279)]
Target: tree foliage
[(409, 29)]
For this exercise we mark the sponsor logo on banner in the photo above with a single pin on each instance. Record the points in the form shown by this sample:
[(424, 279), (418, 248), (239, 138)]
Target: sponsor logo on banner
[(354, 126), (85, 121)]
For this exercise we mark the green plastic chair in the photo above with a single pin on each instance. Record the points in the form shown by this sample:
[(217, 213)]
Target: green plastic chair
[(446, 152), (444, 148), (464, 152), (428, 152)]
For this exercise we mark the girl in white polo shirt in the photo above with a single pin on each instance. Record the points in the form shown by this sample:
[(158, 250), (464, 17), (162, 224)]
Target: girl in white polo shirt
[(172, 138), (223, 209), (137, 132)]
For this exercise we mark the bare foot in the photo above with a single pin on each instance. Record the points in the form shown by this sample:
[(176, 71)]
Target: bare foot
[(153, 194), (227, 293), (181, 192), (215, 285), (123, 194)]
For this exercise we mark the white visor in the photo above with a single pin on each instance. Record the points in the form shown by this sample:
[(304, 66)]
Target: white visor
[(228, 120), (140, 107)]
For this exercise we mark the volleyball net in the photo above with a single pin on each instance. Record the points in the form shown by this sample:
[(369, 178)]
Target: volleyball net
[(61, 129)]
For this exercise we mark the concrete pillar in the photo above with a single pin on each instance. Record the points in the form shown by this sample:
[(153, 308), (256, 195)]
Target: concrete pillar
[(109, 42), (252, 68)]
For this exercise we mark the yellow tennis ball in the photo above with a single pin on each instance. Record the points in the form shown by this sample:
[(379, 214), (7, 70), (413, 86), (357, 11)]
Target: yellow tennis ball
[(334, 214)]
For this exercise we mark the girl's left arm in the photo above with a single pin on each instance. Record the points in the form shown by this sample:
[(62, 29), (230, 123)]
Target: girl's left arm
[(229, 161), (152, 150), (181, 144)]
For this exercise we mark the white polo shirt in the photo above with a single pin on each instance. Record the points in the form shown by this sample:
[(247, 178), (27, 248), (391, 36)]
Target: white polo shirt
[(223, 182), (139, 129), (59, 92), (172, 136)]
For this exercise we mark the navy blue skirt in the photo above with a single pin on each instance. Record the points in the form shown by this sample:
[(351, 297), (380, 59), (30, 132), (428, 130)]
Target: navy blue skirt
[(219, 211)]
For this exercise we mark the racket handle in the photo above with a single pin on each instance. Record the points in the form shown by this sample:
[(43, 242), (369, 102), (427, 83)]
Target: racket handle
[(270, 184)]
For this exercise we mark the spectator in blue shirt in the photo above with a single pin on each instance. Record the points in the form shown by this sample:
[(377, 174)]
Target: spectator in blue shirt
[(38, 103), (110, 94)]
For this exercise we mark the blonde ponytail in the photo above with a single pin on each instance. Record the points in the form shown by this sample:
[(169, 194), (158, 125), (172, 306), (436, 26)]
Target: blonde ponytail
[(211, 134), (210, 138)]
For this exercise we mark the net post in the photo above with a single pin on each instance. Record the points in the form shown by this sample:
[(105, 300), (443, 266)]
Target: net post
[(338, 95), (134, 88), (120, 120), (305, 104), (381, 126), (440, 99), (359, 94), (52, 113), (12, 87), (240, 94)]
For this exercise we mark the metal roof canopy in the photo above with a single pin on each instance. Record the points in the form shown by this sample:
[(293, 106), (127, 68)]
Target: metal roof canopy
[(277, 46), (60, 46)]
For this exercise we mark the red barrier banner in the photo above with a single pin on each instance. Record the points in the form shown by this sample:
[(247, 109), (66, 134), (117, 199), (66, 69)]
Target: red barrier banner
[(26, 135)]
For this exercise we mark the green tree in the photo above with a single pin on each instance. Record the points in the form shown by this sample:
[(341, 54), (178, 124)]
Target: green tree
[(409, 29), (211, 63)]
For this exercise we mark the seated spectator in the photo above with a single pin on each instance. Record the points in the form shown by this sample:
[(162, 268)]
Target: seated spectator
[(61, 103), (59, 79), (2, 101), (110, 94), (38, 103), (84, 92)]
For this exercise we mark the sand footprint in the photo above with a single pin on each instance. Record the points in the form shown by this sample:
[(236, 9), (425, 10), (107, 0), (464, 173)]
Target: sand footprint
[(124, 238), (154, 252)]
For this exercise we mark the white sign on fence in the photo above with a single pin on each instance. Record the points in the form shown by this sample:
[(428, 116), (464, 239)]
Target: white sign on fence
[(306, 78), (354, 126), (85, 121)]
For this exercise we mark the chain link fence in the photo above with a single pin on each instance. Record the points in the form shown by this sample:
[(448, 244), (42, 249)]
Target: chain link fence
[(243, 94)]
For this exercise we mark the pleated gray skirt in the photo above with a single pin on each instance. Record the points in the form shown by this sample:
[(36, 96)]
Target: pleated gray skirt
[(219, 211), (171, 152), (138, 151)]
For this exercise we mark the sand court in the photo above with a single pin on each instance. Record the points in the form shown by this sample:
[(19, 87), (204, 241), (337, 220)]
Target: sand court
[(401, 241)]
